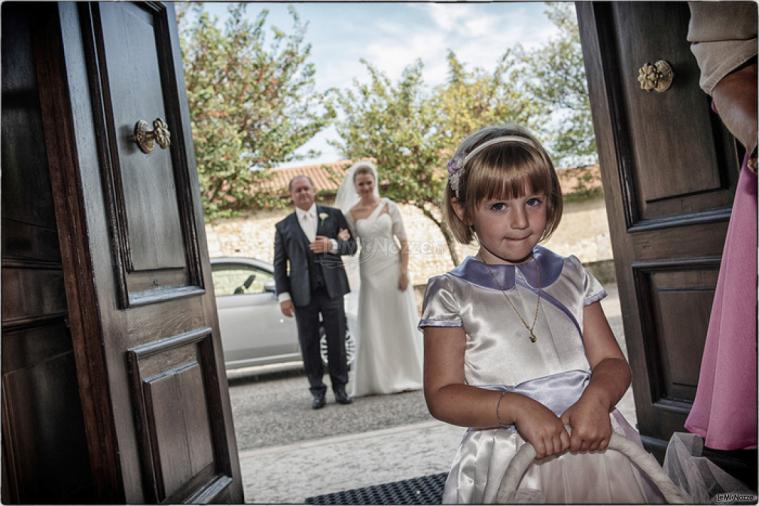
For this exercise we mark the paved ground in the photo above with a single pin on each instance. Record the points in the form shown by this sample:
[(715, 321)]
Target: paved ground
[(291, 473), (277, 411), (289, 452)]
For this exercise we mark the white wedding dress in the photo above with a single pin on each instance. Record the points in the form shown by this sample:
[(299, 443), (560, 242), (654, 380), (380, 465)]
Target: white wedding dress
[(389, 356)]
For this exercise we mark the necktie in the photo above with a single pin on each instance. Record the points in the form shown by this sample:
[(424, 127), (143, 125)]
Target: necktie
[(308, 227)]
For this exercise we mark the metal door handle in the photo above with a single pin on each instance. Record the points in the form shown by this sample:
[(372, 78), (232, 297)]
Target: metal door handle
[(145, 138), (657, 77)]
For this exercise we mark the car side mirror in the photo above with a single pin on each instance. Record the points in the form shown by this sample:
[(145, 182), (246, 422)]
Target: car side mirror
[(270, 286)]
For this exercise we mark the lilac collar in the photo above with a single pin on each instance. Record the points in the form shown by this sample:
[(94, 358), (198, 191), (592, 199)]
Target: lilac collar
[(544, 262)]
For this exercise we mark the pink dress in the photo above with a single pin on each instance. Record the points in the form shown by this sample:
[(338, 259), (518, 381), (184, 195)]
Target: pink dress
[(724, 411)]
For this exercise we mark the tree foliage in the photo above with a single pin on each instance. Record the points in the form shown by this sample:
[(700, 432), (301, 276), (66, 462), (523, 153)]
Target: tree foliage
[(469, 100), (554, 77), (411, 130), (252, 102), (395, 124)]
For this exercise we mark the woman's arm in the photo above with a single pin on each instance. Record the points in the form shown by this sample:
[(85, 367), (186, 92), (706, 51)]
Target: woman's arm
[(400, 232), (610, 378), (403, 278), (449, 399)]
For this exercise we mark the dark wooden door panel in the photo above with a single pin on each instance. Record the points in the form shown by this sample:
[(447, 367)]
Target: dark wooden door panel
[(151, 333), (171, 381), (45, 455), (662, 154), (134, 80), (42, 417), (148, 199), (32, 292), (669, 170), (677, 164), (685, 241), (675, 301), (28, 219)]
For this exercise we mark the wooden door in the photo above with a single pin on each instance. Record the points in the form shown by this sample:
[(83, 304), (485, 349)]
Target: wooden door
[(143, 318), (44, 449), (669, 170)]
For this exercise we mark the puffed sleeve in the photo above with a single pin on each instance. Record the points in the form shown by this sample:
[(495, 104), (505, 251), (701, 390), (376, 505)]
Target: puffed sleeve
[(440, 308), (592, 289), (395, 214)]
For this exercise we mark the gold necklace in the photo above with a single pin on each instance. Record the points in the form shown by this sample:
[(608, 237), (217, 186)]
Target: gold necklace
[(530, 329)]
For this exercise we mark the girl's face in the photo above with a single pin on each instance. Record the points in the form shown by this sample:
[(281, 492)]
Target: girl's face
[(364, 184), (508, 229)]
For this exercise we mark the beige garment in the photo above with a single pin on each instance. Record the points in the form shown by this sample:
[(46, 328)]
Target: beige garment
[(722, 37)]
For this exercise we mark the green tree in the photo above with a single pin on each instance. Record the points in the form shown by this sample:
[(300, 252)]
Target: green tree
[(470, 100), (554, 76), (411, 130), (252, 103), (396, 125)]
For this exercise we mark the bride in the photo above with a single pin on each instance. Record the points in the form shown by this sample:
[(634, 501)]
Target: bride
[(389, 357)]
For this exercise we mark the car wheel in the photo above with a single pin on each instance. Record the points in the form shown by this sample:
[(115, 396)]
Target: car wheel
[(350, 346)]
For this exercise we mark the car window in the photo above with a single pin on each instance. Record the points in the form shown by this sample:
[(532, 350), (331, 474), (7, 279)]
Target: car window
[(232, 279)]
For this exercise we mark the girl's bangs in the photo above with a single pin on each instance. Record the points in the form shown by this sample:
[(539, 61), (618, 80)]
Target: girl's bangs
[(491, 181)]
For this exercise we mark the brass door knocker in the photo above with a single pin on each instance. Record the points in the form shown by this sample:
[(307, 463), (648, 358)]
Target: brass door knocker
[(146, 138)]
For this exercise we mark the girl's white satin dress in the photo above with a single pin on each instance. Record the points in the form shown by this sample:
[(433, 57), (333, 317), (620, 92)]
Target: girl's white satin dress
[(554, 370)]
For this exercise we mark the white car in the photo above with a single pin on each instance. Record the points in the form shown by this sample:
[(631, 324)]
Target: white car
[(254, 332)]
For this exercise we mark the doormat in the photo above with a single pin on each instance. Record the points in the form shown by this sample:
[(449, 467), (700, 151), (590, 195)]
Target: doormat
[(422, 490)]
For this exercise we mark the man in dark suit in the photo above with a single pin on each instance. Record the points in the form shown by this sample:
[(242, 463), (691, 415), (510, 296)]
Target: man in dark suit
[(314, 283)]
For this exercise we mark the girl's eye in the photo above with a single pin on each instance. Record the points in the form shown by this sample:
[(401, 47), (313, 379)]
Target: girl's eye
[(498, 206), (534, 202)]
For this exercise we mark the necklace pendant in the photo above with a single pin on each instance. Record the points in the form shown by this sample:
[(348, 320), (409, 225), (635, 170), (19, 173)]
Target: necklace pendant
[(533, 337)]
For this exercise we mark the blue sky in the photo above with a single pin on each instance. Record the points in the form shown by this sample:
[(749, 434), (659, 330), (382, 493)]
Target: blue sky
[(393, 35)]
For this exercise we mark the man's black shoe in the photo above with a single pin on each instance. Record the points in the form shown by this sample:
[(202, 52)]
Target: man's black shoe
[(318, 401), (341, 397)]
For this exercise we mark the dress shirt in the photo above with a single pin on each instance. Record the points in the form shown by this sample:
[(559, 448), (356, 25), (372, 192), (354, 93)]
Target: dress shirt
[(307, 221)]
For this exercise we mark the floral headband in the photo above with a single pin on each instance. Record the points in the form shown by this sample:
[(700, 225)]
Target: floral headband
[(457, 164)]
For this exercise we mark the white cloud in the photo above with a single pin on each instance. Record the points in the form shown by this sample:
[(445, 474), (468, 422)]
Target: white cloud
[(391, 40), (449, 17), (388, 27), (393, 55)]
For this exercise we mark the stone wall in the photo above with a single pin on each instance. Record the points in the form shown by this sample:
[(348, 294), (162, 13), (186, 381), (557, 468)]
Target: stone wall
[(584, 232)]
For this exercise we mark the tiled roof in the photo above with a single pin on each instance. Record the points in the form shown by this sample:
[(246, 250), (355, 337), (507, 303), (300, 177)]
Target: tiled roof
[(574, 179), (327, 177)]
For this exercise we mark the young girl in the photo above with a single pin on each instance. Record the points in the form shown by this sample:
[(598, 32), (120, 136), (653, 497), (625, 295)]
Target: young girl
[(516, 344)]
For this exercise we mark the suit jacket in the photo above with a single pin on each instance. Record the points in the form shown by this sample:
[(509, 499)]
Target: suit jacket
[(291, 246)]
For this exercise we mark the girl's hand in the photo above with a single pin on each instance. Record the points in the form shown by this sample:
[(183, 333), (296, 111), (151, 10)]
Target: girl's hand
[(343, 234), (539, 426), (403, 282), (590, 423)]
